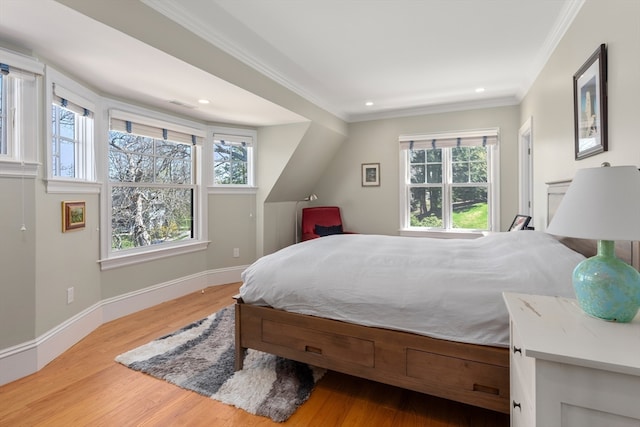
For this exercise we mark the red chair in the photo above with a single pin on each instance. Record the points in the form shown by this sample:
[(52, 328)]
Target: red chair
[(321, 221)]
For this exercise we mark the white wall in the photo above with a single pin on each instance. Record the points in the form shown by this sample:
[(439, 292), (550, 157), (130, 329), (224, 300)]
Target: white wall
[(17, 260), (550, 100), (375, 210)]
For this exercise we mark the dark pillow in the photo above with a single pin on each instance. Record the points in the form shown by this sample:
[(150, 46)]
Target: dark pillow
[(321, 230)]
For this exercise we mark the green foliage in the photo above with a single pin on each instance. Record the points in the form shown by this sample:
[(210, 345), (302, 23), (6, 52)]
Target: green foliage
[(467, 185), (474, 217), (431, 221)]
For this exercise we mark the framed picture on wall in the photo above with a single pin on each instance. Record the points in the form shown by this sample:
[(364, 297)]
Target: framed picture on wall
[(371, 174), (590, 105), (73, 216)]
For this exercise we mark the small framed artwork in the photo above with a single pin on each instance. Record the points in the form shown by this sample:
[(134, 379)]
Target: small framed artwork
[(371, 174), (73, 216), (590, 105), (520, 222)]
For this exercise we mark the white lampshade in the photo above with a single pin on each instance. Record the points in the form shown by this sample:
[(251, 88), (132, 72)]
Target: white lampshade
[(601, 203)]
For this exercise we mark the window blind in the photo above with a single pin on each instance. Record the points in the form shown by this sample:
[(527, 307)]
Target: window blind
[(19, 64), (473, 138), (245, 141), (154, 128), (16, 73), (72, 101)]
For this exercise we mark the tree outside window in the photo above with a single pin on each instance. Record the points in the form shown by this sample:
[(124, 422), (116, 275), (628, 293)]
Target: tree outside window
[(152, 190), (233, 151), (230, 163), (426, 188), (65, 134), (448, 181)]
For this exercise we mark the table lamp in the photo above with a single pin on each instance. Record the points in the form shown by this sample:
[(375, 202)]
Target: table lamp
[(603, 204)]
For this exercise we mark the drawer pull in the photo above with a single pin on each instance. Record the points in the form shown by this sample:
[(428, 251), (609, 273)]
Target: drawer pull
[(517, 350), (486, 389), (310, 349), (517, 405)]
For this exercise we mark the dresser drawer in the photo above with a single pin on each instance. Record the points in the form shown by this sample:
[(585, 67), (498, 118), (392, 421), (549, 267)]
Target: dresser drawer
[(521, 365), (522, 407)]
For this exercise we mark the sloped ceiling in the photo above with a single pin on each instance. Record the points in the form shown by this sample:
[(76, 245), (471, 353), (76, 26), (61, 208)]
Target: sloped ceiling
[(307, 164), (141, 56)]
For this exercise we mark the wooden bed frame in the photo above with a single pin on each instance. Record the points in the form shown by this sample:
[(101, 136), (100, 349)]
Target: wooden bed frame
[(473, 374)]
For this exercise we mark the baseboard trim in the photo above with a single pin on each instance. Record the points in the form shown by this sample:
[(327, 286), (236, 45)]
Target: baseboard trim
[(29, 357), (56, 341)]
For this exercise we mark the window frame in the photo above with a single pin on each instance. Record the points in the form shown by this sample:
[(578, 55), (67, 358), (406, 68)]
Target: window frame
[(6, 92), (21, 158), (85, 180), (493, 186), (250, 187), (114, 259)]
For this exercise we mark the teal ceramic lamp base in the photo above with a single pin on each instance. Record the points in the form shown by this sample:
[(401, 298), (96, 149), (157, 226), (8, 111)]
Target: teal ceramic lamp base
[(607, 287)]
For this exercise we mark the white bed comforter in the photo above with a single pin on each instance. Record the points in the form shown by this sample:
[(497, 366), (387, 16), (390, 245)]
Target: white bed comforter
[(443, 288)]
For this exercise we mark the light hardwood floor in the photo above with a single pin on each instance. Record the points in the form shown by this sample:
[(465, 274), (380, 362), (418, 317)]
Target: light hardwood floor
[(86, 387)]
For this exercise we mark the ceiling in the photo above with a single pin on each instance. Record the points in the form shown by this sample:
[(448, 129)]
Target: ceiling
[(403, 56)]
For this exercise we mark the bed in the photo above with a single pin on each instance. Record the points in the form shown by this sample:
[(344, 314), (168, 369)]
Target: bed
[(452, 343), (375, 307)]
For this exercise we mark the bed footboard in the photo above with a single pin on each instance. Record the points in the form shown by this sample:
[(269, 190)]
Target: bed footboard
[(472, 374)]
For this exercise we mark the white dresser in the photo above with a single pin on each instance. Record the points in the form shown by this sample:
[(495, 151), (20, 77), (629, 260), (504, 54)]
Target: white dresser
[(569, 369)]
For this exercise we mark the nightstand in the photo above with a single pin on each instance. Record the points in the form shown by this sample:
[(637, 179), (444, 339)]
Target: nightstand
[(569, 369)]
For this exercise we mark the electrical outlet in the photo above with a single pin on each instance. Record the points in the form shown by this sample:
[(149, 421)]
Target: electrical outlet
[(236, 252), (70, 295)]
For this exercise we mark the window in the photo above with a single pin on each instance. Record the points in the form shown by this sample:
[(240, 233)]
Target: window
[(19, 81), (233, 158), (153, 194), (71, 136), (10, 89), (449, 181), (3, 112)]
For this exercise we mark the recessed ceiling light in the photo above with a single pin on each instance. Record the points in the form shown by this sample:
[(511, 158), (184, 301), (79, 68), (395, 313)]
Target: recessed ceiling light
[(368, 103), (479, 90), (203, 101)]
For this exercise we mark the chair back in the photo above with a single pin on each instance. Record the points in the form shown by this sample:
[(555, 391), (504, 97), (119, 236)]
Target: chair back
[(325, 216)]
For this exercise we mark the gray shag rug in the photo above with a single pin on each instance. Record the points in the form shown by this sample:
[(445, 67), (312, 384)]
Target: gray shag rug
[(200, 357)]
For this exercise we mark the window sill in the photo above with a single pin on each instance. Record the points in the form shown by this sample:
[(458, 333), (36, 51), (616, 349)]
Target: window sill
[(13, 169), (71, 186), (441, 234), (232, 190), (124, 260)]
